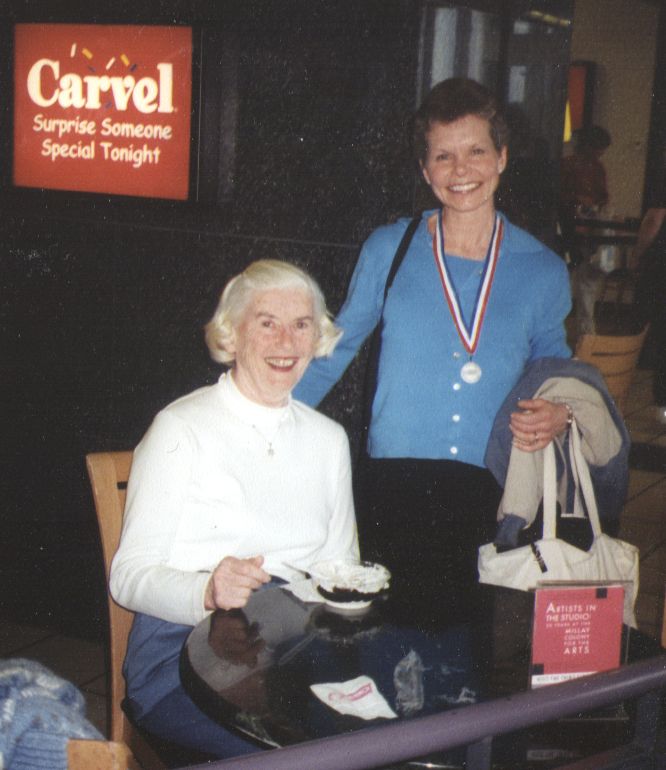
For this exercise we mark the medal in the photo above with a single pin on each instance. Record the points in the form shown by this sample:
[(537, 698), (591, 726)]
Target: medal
[(471, 371)]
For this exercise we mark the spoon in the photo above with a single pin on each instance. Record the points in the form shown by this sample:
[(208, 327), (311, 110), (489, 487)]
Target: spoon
[(296, 569)]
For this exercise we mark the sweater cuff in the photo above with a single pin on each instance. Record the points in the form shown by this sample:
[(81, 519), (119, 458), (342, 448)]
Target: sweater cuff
[(198, 610), (508, 531)]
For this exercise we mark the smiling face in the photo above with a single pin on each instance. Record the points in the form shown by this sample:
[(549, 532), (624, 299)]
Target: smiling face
[(462, 165), (273, 343)]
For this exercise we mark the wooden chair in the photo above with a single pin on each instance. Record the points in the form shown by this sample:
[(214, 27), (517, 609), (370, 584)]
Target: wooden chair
[(616, 357), (108, 473), (100, 755)]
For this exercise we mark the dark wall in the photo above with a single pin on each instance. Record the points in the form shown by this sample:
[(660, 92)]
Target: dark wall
[(654, 193), (102, 319), (102, 305), (103, 301)]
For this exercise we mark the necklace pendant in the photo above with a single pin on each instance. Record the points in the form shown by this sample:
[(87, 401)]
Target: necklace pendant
[(471, 372)]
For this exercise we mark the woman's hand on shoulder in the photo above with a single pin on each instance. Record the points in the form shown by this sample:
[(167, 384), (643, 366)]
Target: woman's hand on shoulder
[(233, 581), (537, 423)]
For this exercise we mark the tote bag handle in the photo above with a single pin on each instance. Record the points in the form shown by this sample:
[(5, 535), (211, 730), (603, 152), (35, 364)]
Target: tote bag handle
[(582, 479)]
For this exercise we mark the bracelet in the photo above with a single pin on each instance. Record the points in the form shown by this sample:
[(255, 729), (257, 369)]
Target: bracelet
[(570, 415)]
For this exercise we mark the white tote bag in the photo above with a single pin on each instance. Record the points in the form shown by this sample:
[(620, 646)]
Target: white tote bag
[(551, 559)]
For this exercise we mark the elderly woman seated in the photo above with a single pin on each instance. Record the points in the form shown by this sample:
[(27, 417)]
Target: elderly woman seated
[(229, 485)]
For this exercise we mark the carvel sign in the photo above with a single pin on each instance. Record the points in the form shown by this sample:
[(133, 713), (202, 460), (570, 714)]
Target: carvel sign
[(103, 108)]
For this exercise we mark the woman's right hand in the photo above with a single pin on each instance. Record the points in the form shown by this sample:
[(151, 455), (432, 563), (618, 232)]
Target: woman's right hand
[(233, 581)]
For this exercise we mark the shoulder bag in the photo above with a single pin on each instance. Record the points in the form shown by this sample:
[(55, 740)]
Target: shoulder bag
[(551, 559)]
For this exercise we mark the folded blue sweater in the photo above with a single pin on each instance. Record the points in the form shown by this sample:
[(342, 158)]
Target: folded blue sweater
[(39, 713)]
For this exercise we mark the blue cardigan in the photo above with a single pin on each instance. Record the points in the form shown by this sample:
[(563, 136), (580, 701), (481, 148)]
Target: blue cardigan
[(422, 408)]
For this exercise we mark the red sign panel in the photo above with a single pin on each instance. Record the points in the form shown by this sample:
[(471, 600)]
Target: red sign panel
[(577, 631), (103, 108)]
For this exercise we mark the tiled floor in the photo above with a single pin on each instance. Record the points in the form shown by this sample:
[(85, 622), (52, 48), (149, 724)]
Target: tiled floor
[(643, 523)]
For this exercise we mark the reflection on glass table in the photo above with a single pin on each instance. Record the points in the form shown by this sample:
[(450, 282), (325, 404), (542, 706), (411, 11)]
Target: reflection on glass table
[(253, 669)]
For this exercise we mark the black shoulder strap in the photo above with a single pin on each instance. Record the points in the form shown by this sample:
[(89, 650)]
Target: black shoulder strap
[(400, 253), (370, 386)]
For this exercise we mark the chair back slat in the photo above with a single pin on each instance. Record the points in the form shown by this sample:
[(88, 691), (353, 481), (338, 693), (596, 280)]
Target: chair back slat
[(616, 357), (99, 755), (109, 473)]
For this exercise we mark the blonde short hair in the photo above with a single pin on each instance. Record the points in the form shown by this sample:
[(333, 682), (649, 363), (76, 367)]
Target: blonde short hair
[(265, 275)]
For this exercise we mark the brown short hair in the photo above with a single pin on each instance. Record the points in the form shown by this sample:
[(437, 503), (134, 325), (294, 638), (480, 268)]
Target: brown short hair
[(451, 100)]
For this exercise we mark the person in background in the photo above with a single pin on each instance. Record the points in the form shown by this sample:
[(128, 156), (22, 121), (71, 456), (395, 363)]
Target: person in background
[(473, 302), (229, 485), (583, 185)]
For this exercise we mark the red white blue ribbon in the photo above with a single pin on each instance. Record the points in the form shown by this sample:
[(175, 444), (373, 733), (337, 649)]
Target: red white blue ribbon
[(468, 335)]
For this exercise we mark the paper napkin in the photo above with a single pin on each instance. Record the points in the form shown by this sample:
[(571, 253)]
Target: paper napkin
[(358, 697)]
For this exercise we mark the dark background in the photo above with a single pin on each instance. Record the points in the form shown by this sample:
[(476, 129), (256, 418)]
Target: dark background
[(305, 146)]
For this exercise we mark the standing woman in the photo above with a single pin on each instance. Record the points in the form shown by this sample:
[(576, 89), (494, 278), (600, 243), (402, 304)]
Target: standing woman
[(473, 302)]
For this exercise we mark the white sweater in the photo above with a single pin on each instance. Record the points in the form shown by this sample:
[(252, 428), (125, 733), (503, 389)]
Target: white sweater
[(204, 486)]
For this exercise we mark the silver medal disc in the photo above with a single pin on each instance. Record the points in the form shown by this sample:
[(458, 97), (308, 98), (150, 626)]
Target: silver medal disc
[(471, 372)]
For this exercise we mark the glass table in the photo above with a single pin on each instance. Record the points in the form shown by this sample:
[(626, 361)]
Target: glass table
[(252, 669)]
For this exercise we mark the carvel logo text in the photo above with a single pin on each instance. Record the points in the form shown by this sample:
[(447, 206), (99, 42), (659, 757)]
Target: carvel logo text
[(72, 90), (103, 108)]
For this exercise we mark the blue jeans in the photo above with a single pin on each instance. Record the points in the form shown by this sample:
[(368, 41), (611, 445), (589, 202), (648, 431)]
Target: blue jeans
[(177, 719), (156, 700)]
